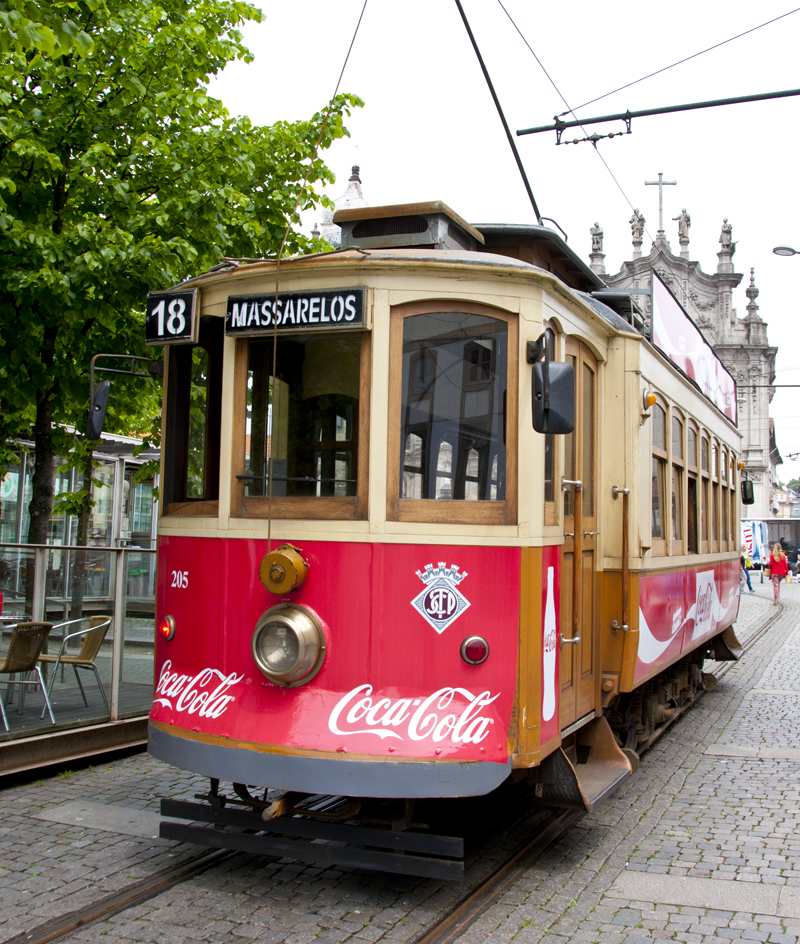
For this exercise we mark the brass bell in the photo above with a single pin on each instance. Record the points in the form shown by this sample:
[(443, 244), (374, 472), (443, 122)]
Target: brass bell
[(283, 569)]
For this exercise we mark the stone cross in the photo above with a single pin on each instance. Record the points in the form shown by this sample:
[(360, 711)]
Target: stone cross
[(661, 183)]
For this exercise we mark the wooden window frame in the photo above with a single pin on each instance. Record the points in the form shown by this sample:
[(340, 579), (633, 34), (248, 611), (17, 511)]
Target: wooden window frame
[(658, 546), (705, 495), (693, 473), (715, 517), (327, 508), (450, 511), (678, 545), (174, 501)]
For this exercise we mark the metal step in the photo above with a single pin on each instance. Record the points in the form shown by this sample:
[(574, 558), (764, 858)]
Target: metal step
[(600, 766)]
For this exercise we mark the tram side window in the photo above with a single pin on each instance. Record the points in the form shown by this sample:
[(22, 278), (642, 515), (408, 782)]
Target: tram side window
[(453, 407), (691, 491), (305, 420), (194, 411), (715, 496), (677, 485), (659, 474)]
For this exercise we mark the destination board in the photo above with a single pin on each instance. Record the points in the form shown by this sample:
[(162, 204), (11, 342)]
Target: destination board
[(315, 311)]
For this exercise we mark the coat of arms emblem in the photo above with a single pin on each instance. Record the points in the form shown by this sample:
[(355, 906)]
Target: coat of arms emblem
[(441, 602)]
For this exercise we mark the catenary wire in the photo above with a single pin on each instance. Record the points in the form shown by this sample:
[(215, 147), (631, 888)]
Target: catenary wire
[(679, 62), (280, 253), (596, 149)]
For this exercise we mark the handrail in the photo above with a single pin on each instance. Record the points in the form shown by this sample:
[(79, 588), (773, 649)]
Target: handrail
[(80, 547)]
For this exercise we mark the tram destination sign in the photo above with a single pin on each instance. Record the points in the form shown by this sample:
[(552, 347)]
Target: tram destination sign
[(172, 317), (306, 311)]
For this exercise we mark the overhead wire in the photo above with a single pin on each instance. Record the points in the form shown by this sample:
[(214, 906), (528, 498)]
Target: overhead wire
[(596, 149), (280, 254), (679, 62)]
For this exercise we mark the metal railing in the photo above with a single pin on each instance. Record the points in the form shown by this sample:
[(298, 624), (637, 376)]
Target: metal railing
[(57, 583)]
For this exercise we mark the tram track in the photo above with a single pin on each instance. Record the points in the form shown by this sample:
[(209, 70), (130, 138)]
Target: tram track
[(445, 929)]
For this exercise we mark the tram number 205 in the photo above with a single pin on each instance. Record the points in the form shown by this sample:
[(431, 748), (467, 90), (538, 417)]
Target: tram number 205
[(180, 579)]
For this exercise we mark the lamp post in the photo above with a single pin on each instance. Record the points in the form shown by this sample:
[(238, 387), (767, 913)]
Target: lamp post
[(785, 251)]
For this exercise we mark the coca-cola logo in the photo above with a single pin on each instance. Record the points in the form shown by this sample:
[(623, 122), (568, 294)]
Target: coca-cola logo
[(452, 714), (204, 694)]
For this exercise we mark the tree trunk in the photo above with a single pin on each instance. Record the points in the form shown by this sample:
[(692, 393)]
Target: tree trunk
[(80, 559), (43, 488)]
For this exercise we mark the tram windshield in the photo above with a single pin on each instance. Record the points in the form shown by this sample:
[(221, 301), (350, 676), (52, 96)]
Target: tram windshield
[(453, 407), (305, 420)]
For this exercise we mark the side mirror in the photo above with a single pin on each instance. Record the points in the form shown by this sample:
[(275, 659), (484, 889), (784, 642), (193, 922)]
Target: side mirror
[(553, 397), (97, 410), (748, 498)]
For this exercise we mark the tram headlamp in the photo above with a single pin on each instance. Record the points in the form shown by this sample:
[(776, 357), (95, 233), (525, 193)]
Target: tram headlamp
[(288, 644)]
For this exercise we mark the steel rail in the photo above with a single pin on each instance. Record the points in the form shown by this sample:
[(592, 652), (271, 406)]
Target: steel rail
[(468, 909), (120, 901)]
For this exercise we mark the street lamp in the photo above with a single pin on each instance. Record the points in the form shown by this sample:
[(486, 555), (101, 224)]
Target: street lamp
[(785, 251)]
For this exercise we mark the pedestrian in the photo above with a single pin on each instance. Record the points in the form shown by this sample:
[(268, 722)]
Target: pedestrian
[(778, 569), (745, 564)]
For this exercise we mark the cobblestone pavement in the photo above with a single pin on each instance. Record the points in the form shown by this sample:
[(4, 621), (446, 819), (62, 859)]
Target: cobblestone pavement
[(699, 846)]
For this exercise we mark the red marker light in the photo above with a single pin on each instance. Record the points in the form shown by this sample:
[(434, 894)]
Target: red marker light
[(474, 650), (167, 628)]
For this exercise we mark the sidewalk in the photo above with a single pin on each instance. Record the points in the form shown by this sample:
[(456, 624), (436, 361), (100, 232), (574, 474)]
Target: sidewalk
[(699, 846)]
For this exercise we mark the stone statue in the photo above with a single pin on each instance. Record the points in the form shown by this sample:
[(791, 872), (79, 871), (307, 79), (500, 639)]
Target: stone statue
[(637, 222), (725, 236), (597, 237), (684, 222)]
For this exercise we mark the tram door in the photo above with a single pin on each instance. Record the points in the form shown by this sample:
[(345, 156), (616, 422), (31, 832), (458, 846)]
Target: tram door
[(578, 659)]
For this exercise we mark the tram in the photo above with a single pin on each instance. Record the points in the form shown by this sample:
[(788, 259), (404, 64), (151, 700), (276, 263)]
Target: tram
[(434, 518)]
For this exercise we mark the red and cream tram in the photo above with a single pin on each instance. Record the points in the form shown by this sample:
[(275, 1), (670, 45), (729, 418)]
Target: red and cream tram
[(435, 598)]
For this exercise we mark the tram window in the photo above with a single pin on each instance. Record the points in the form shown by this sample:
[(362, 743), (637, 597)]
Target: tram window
[(305, 420), (454, 382), (659, 474), (691, 526), (194, 412), (691, 448), (587, 470), (452, 401), (570, 471), (677, 485)]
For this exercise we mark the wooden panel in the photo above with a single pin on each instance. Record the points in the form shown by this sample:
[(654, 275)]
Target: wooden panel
[(206, 509), (330, 508), (430, 510)]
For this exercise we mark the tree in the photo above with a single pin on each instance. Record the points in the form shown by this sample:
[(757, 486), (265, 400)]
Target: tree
[(120, 174)]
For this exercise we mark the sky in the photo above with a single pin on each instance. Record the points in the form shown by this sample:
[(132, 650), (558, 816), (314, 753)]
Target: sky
[(429, 129)]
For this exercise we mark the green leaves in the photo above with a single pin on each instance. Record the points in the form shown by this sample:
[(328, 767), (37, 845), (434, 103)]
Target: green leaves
[(120, 174)]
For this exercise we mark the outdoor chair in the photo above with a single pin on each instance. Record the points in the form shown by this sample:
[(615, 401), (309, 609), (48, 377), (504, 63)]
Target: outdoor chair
[(93, 636), (27, 642)]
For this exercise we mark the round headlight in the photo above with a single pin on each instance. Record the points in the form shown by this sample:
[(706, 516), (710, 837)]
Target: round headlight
[(288, 644)]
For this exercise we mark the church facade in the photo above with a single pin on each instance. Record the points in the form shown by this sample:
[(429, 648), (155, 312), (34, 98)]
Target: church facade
[(741, 343)]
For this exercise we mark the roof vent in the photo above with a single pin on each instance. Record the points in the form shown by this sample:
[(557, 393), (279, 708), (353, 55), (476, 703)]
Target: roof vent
[(405, 226)]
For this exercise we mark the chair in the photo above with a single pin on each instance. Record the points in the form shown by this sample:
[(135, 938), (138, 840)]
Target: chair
[(93, 637), (27, 642)]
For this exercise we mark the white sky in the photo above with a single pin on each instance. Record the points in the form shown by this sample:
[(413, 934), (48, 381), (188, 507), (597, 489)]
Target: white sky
[(429, 130)]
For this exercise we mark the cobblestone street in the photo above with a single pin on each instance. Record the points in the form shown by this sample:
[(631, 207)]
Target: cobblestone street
[(700, 845)]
